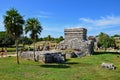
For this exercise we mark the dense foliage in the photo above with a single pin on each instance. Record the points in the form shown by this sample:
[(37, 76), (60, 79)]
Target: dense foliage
[(5, 40), (50, 38), (25, 40), (105, 41), (116, 35)]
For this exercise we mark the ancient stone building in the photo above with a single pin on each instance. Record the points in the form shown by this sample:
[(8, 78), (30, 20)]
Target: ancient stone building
[(76, 38), (79, 33)]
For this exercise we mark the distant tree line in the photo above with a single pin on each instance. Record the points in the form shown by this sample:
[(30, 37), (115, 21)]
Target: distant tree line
[(28, 41), (6, 40), (50, 38), (116, 35)]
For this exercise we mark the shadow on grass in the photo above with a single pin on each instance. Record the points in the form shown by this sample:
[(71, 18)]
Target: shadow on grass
[(71, 63), (67, 60), (98, 53), (55, 66), (59, 65)]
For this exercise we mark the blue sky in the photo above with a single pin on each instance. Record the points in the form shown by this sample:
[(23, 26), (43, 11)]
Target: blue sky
[(56, 15)]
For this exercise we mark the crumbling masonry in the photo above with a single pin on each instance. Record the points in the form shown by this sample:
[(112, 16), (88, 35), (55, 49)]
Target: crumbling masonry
[(76, 39)]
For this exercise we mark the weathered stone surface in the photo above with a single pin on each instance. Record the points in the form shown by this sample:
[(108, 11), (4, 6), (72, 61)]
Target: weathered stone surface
[(108, 66), (45, 56), (76, 39), (79, 33), (73, 55)]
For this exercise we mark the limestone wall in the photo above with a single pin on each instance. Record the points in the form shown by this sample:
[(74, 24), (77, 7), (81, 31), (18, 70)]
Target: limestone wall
[(79, 33), (76, 39)]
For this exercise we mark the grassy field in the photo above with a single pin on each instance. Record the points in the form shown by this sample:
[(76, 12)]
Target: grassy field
[(86, 68)]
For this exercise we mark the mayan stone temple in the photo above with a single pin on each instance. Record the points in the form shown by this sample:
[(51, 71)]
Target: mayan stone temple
[(76, 38)]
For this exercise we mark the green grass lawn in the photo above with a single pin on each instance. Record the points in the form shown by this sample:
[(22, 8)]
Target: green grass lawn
[(86, 68)]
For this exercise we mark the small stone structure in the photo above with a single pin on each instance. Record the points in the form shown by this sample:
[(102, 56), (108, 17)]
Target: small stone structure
[(45, 56), (76, 39)]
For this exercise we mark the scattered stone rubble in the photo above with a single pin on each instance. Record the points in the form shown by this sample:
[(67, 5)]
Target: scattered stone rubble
[(108, 66)]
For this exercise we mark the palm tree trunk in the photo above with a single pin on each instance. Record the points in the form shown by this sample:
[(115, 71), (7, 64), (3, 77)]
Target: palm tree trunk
[(34, 50), (16, 42)]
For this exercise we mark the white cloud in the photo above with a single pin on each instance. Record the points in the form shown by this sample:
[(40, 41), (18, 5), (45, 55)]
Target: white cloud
[(112, 32), (103, 21), (41, 14), (54, 29), (86, 20), (44, 14)]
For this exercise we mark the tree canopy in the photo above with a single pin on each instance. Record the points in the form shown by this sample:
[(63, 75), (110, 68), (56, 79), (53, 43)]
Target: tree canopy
[(33, 26), (116, 35), (105, 41), (13, 23)]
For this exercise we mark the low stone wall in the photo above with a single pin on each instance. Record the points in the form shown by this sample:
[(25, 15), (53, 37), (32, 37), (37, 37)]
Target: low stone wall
[(45, 56)]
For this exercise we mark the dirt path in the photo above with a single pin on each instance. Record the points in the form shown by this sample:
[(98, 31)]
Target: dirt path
[(8, 55)]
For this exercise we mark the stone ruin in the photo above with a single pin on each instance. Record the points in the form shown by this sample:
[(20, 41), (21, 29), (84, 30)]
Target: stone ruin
[(76, 39), (44, 56)]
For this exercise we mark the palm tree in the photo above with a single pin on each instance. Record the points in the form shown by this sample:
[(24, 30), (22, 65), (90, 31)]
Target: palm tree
[(34, 27), (13, 23)]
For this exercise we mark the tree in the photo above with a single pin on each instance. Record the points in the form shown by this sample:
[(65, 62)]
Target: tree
[(59, 39), (33, 26), (105, 41), (49, 37), (116, 35), (13, 23), (112, 42), (2, 34), (5, 40), (25, 40), (2, 38), (8, 41)]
